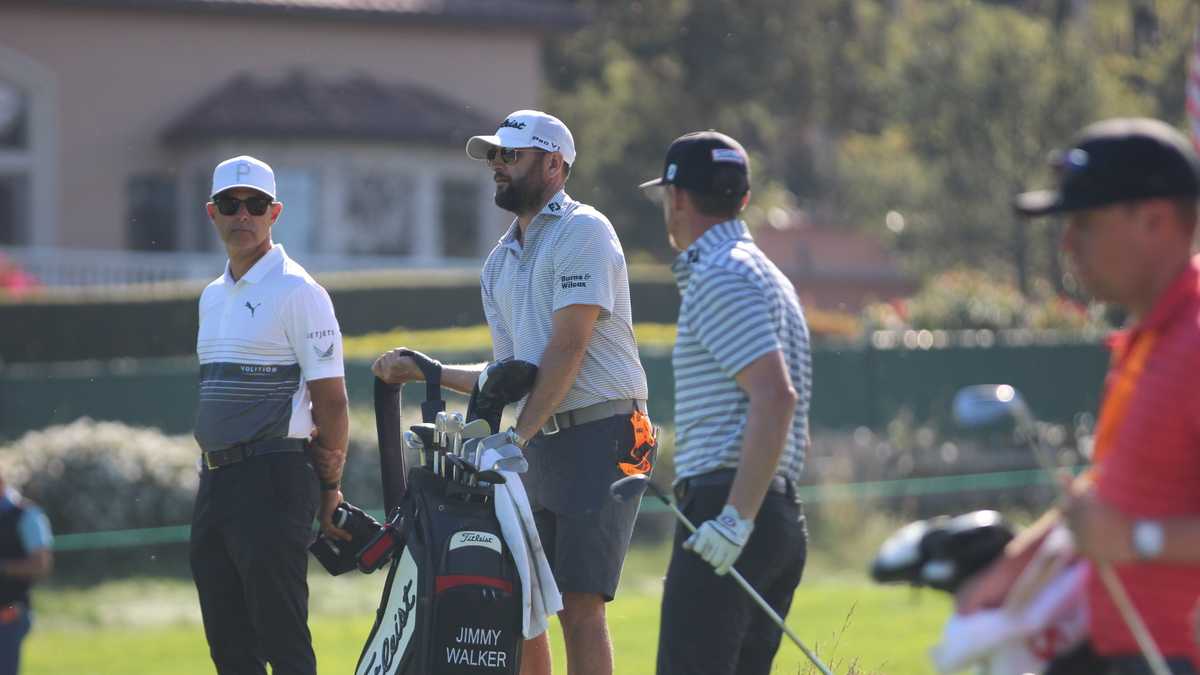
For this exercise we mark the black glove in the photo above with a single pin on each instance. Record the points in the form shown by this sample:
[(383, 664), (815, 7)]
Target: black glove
[(337, 556)]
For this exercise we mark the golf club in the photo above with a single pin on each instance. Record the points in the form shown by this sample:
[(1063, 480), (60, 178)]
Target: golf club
[(983, 404), (631, 487)]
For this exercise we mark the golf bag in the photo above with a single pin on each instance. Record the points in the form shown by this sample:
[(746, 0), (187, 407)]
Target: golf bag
[(1043, 617), (452, 600)]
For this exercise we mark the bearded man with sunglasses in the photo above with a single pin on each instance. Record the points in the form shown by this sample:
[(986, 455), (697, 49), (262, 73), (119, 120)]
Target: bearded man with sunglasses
[(556, 293), (271, 375)]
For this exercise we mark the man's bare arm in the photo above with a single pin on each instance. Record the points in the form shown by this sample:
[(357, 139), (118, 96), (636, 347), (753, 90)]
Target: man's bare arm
[(571, 332)]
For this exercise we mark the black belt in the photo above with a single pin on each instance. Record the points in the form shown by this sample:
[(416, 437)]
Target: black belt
[(725, 477), (216, 459)]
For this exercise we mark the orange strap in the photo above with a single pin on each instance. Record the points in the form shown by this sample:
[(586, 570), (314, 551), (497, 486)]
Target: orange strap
[(645, 439), (1127, 367)]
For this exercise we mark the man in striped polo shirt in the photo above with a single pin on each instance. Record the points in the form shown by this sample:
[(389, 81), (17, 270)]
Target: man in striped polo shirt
[(556, 293), (743, 378), (271, 374), (1128, 190)]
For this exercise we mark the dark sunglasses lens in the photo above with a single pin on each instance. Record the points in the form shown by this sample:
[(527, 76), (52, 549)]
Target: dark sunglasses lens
[(257, 206), (508, 155), (491, 154), (228, 206)]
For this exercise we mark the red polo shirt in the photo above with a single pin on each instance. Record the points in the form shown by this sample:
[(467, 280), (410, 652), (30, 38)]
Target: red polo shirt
[(1151, 468)]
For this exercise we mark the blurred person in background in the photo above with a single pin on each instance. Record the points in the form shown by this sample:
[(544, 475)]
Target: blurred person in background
[(743, 382), (273, 427), (25, 558), (556, 293), (1128, 189)]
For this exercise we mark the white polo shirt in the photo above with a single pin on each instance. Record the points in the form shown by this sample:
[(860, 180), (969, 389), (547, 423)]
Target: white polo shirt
[(261, 339), (571, 256)]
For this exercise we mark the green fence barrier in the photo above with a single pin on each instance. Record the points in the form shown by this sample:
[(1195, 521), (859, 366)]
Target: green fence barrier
[(853, 385), (908, 487)]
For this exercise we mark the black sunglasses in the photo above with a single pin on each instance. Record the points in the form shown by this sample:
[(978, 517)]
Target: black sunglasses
[(508, 156), (255, 206)]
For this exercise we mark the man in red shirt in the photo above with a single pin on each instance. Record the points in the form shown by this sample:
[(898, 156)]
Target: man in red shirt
[(1128, 189)]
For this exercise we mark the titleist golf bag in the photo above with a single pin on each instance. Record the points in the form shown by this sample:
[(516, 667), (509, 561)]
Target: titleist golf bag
[(452, 600)]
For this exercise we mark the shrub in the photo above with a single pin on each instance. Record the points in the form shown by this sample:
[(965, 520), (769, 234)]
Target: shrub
[(968, 299), (90, 475)]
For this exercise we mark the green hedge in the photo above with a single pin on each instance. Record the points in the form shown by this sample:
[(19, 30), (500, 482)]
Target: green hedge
[(159, 321)]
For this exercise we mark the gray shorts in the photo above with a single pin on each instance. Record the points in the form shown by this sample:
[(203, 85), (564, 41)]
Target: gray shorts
[(584, 531)]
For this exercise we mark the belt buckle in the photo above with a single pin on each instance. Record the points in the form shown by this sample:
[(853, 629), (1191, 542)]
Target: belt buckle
[(208, 463), (551, 426)]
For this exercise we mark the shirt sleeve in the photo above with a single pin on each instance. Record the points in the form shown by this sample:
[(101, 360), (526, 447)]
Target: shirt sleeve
[(34, 529), (313, 332), (587, 260), (502, 343), (731, 318)]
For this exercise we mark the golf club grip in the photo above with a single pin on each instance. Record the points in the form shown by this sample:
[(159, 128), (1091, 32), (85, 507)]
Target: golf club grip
[(392, 469), (754, 595)]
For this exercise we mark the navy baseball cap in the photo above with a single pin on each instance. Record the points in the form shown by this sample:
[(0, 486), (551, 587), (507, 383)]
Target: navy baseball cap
[(1114, 161), (707, 162)]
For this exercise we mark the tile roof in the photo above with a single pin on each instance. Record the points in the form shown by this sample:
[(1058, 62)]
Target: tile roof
[(532, 14), (301, 106)]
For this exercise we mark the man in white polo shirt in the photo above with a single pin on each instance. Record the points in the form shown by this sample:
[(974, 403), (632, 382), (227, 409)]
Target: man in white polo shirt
[(271, 375), (556, 293)]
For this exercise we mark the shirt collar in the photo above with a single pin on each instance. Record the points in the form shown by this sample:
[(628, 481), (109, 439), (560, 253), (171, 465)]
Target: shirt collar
[(272, 259), (553, 209), (1185, 287), (714, 237)]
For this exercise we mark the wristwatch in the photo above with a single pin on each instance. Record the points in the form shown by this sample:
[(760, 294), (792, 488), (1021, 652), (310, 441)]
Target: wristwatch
[(517, 439), (1148, 539)]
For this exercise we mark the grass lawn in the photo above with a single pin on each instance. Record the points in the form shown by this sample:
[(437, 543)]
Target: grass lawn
[(152, 626)]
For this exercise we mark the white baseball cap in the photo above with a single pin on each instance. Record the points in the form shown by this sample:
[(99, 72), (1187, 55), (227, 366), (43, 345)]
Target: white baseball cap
[(246, 172), (527, 129)]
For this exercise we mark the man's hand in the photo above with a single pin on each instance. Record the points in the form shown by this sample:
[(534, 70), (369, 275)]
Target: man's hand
[(395, 368), (327, 461), (1102, 533), (720, 541), (329, 501)]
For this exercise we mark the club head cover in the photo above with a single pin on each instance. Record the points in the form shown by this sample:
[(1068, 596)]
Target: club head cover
[(501, 383), (337, 556)]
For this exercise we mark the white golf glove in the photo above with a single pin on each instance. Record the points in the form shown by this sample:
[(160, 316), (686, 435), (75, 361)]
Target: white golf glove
[(720, 541)]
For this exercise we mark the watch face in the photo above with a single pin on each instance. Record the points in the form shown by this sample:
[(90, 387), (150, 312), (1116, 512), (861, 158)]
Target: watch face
[(1148, 539)]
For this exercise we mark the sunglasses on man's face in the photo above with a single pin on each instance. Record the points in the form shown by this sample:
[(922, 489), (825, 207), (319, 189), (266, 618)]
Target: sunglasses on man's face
[(255, 206), (507, 156)]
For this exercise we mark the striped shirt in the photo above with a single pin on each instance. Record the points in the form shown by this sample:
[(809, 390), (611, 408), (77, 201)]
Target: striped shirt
[(1152, 469), (570, 256), (736, 306), (261, 339)]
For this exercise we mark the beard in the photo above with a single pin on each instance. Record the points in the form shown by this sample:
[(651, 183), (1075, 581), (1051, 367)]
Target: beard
[(519, 196)]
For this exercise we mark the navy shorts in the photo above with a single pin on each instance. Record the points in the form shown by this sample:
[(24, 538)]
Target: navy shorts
[(584, 531)]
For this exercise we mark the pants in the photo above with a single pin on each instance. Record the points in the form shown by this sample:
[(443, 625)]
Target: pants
[(249, 554), (710, 625), (12, 634)]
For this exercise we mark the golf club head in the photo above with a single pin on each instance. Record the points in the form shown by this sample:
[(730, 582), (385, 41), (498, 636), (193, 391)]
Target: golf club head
[(983, 404), (515, 464), (413, 441), (629, 487), (439, 424), (477, 429)]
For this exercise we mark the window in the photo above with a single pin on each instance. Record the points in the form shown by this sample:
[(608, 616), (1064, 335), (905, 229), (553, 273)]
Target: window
[(460, 218), (151, 213), (15, 165), (379, 212)]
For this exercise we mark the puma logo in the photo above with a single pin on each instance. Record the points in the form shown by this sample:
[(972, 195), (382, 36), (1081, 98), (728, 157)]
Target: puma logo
[(252, 308)]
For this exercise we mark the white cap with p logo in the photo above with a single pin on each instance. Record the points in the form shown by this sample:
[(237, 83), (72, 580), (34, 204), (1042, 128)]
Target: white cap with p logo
[(246, 172)]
